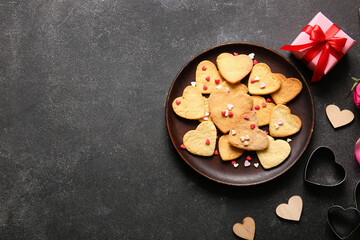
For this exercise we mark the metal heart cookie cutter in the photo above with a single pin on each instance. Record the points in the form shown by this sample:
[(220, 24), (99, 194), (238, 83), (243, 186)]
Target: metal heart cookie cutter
[(322, 169)]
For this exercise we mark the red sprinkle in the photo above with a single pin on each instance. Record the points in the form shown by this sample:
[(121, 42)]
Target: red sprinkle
[(178, 102), (223, 113), (257, 107), (207, 141), (235, 54), (233, 162), (255, 62), (207, 78), (268, 100), (263, 104), (217, 81), (252, 126), (248, 158), (266, 132), (246, 116), (217, 137), (182, 146), (205, 87), (230, 114), (252, 80), (216, 152), (209, 113), (203, 68)]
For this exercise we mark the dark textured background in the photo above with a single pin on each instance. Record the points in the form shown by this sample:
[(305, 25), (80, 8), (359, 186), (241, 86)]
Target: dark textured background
[(84, 149)]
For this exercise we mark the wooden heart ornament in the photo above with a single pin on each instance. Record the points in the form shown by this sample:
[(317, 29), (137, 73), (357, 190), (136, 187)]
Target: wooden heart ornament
[(191, 105), (234, 68), (292, 210), (246, 229), (226, 108), (207, 77), (338, 118), (262, 81), (247, 134), (202, 140)]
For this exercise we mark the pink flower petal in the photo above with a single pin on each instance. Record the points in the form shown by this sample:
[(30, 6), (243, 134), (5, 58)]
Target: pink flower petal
[(357, 150)]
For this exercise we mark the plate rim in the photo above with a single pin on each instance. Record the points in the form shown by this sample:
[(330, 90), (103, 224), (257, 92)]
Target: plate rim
[(224, 182)]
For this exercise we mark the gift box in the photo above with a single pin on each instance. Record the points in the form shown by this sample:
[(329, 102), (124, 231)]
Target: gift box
[(320, 45)]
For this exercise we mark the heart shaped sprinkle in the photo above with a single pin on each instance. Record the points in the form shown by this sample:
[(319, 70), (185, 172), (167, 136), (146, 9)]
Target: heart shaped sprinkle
[(338, 118), (292, 210), (247, 163), (246, 229), (256, 165)]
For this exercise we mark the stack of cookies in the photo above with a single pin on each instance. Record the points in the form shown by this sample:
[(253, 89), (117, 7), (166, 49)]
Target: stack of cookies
[(218, 100)]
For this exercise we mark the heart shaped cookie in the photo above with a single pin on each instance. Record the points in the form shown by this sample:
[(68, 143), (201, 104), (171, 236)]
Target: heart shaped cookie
[(190, 105), (262, 81), (290, 88), (234, 89), (339, 118), (292, 210), (262, 109), (246, 230), (282, 122), (226, 150), (225, 108), (234, 68), (274, 154), (202, 140), (207, 77), (248, 136)]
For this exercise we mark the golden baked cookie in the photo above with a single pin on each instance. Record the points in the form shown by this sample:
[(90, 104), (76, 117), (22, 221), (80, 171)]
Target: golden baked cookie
[(262, 81), (226, 150), (274, 154), (190, 105), (247, 134), (234, 89), (207, 77), (290, 88), (226, 108), (234, 68), (262, 110), (202, 140), (282, 122), (207, 111)]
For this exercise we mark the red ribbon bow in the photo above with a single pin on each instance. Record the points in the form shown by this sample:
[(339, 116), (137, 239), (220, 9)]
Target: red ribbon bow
[(322, 42)]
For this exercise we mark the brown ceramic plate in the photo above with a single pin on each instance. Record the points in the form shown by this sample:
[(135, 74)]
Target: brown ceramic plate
[(213, 167)]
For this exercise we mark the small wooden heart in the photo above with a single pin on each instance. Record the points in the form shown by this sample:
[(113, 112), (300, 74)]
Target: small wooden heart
[(292, 210), (338, 118), (246, 230)]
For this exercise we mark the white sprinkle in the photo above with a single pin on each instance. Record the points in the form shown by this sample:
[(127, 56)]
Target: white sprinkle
[(242, 138), (256, 165), (233, 132), (247, 137), (193, 84), (236, 165), (230, 106), (257, 78), (288, 140), (226, 113), (246, 143), (207, 114), (218, 87), (252, 55), (262, 85), (206, 118), (276, 126), (227, 89)]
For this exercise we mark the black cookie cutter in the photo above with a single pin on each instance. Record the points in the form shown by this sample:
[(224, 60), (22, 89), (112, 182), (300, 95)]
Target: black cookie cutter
[(343, 222), (323, 160)]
